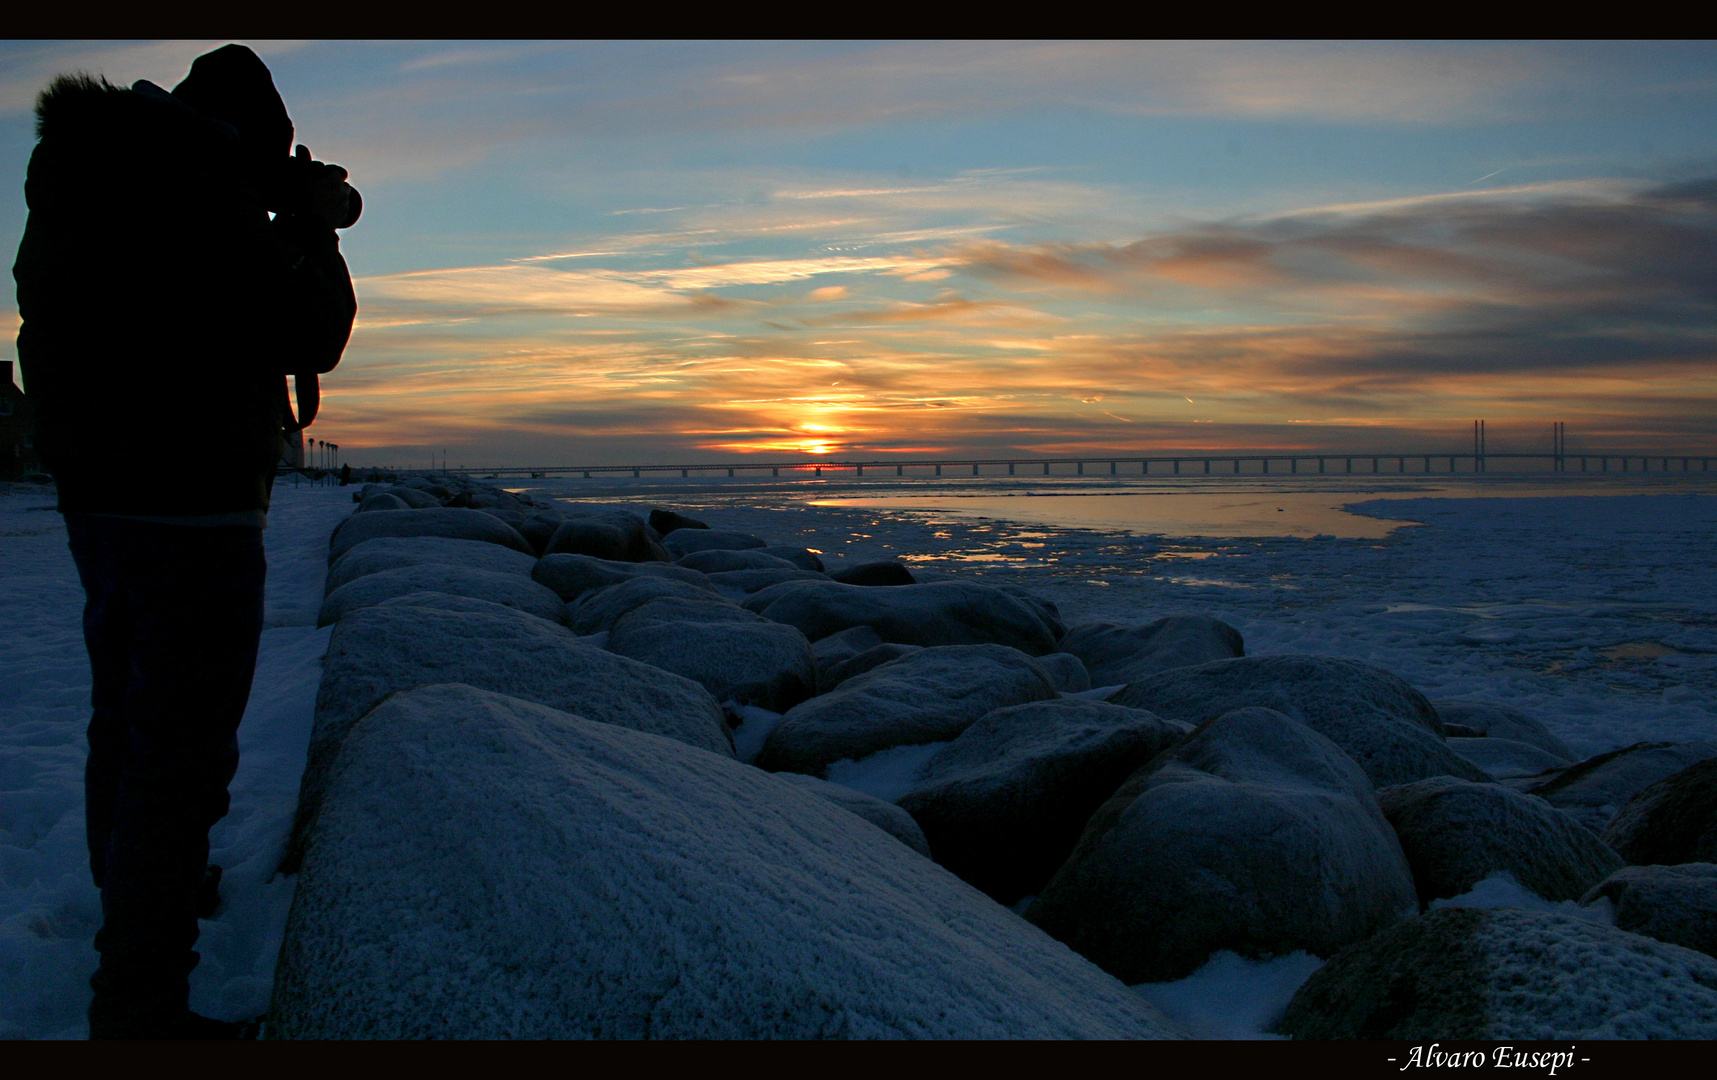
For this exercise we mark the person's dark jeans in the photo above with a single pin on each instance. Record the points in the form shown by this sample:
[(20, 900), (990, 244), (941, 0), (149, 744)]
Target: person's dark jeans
[(172, 620)]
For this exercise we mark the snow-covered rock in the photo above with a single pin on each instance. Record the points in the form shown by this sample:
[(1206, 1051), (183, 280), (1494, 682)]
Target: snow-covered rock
[(1505, 973), (1595, 790), (1456, 834), (1677, 904), (682, 542), (618, 535), (828, 678), (1004, 803), (453, 523), (412, 497), (872, 574), (441, 601), (720, 560), (1502, 722), (739, 584), (597, 611), (1122, 653), (1256, 835), (1671, 821), (938, 613), (927, 696), (1506, 759), (1043, 607), (507, 589), (572, 576), (1068, 671), (1373, 715), (485, 867), (834, 648), (383, 500), (886, 816), (737, 655), (803, 558), (378, 651), (538, 528), (667, 521), (389, 552)]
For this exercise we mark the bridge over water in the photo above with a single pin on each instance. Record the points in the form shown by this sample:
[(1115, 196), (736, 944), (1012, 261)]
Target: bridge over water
[(1224, 464)]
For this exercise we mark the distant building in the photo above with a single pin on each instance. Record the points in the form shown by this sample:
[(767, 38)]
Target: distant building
[(17, 429)]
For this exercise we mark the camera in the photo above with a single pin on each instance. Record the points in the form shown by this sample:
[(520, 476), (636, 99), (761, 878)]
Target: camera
[(295, 185)]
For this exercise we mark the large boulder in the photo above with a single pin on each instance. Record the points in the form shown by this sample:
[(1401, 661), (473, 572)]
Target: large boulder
[(682, 542), (1506, 759), (1456, 834), (718, 560), (834, 648), (1595, 790), (1507, 974), (828, 678), (736, 655), (441, 601), (1004, 803), (383, 500), (1044, 608), (572, 576), (538, 528), (1256, 835), (938, 613), (1671, 821), (1373, 715), (391, 552), (495, 502), (1116, 653), (872, 574), (1677, 904), (667, 521), (886, 816), (378, 651), (740, 584), (452, 523), (412, 497), (508, 590), (928, 696), (1068, 671), (597, 611), (487, 868), (1484, 720), (619, 535), (803, 558)]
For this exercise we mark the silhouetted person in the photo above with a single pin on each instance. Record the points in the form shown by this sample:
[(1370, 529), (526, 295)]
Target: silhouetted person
[(345, 475), (155, 292)]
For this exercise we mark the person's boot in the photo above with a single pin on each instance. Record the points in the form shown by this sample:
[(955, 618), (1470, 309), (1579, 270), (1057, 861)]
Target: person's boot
[(137, 1000)]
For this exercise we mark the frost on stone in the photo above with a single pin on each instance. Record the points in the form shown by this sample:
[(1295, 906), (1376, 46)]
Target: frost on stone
[(486, 867), (381, 650)]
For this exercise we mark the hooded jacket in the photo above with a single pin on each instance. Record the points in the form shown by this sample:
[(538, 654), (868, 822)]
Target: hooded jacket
[(161, 307)]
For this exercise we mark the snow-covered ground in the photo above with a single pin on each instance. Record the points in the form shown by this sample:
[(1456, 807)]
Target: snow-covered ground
[(1595, 613)]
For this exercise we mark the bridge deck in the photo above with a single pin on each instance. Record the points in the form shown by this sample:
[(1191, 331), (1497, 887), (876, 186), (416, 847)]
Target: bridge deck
[(1251, 464)]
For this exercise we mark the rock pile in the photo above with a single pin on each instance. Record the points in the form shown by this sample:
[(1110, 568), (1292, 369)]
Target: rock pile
[(523, 816)]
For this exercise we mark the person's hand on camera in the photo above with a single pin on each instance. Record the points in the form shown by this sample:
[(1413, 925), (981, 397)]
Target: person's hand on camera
[(328, 199)]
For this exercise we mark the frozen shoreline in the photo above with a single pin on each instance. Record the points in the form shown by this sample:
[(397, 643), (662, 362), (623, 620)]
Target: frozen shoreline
[(1597, 614)]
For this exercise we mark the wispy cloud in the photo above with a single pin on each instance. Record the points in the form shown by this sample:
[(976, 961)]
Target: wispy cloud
[(1365, 318)]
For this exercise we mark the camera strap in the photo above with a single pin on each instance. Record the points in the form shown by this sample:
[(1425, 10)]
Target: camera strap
[(309, 393)]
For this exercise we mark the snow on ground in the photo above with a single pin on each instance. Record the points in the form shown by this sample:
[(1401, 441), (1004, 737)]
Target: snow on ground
[(1595, 613), (49, 910)]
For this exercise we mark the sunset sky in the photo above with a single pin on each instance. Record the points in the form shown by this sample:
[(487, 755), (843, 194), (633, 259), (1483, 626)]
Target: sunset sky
[(659, 251)]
